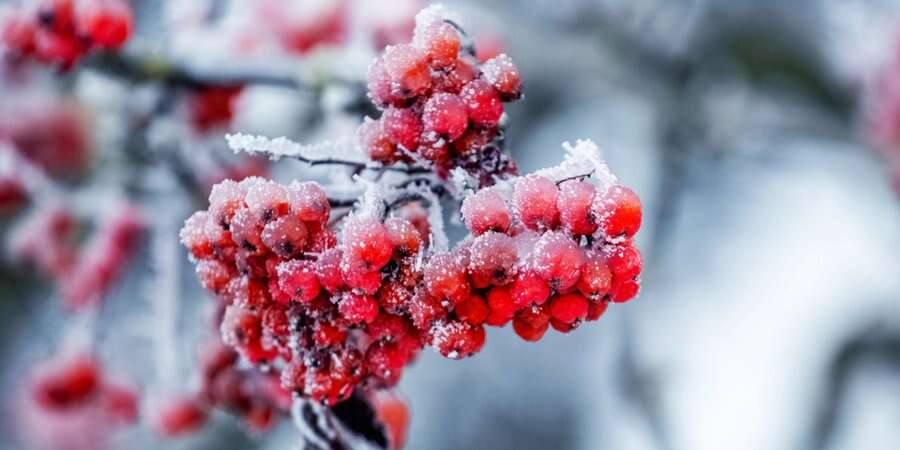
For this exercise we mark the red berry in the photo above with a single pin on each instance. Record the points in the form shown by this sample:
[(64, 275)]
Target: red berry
[(535, 198), (267, 200), (394, 297), (558, 260), (502, 306), (531, 324), (285, 236), (225, 199), (387, 327), (376, 143), (595, 310), (403, 235), (456, 340), (482, 102), (485, 211), (618, 210), (408, 70), (299, 280), (367, 244), (529, 288), (425, 310), (358, 308), (574, 204), (328, 270), (402, 127), (327, 334), (440, 42), (309, 202), (568, 308), (120, 403), (445, 278), (473, 310), (68, 384), (107, 23), (492, 259), (596, 279), (503, 75), (445, 115), (214, 275), (385, 361)]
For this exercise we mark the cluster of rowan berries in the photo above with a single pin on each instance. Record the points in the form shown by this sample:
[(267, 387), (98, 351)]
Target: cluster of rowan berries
[(546, 254), (256, 397), (62, 31), (293, 294), (48, 239), (439, 104)]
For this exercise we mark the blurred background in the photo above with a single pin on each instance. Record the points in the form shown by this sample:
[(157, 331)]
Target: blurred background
[(761, 136)]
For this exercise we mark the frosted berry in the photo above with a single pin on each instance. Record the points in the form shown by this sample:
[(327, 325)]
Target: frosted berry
[(440, 42), (485, 211), (408, 70), (574, 203), (618, 211), (445, 115), (502, 306), (309, 202), (402, 127), (373, 139), (367, 244), (328, 270), (596, 278), (535, 199), (529, 288), (482, 102), (267, 200), (356, 308), (445, 278), (298, 279), (403, 236), (558, 260), (285, 236), (501, 72), (492, 259), (456, 340)]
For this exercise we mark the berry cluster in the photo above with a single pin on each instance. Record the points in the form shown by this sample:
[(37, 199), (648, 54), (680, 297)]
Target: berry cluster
[(439, 104), (48, 239), (50, 132), (331, 315), (256, 397), (62, 31)]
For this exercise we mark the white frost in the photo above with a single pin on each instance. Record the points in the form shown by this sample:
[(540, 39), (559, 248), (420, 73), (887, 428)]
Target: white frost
[(282, 147)]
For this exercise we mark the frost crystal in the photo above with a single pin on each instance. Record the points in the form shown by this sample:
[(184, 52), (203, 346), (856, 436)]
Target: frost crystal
[(344, 150), (584, 158)]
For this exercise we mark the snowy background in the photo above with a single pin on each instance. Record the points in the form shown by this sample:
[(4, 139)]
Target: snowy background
[(770, 313)]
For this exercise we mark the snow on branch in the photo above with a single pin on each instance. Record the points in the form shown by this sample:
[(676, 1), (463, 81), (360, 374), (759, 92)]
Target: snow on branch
[(583, 158)]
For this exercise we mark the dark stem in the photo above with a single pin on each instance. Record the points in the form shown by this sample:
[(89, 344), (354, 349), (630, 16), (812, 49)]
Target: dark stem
[(575, 177)]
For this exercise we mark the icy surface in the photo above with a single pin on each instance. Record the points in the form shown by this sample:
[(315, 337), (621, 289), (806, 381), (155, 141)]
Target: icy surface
[(283, 147)]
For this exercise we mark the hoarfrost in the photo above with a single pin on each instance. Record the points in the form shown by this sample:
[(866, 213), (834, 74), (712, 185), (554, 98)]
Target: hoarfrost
[(282, 147)]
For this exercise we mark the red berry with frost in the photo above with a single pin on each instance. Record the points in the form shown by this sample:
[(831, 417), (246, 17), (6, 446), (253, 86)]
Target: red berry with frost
[(385, 361), (562, 327), (328, 270), (267, 200), (194, 237), (321, 238), (535, 199), (574, 203), (246, 230), (376, 143), (285, 236), (452, 78), (367, 244), (394, 297), (366, 282), (529, 288), (299, 280), (502, 306), (485, 211), (387, 326), (456, 340), (482, 102), (356, 308), (403, 235), (568, 308), (503, 75), (440, 42), (379, 85), (558, 260), (474, 310), (328, 334), (408, 70), (225, 199), (531, 323), (309, 202), (425, 310), (596, 278), (445, 115), (403, 127), (492, 259), (618, 210), (445, 278), (214, 275), (109, 23)]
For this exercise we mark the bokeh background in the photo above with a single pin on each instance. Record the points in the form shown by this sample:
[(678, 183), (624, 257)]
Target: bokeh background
[(770, 311)]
